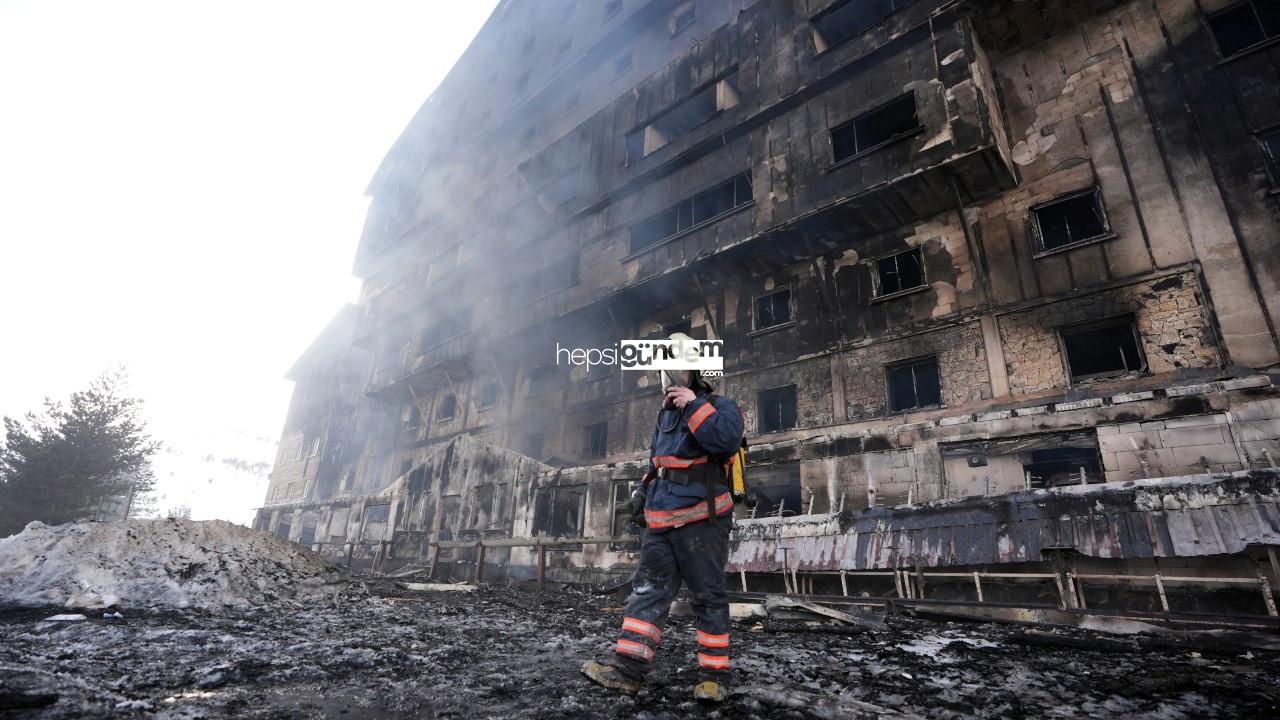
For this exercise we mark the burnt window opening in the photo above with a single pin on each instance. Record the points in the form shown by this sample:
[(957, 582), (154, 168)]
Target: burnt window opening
[(773, 309), (482, 508), (1070, 220), (899, 273), (849, 19), (452, 325), (558, 511), (611, 8), (1053, 467), (542, 379), (680, 326), (684, 19), (533, 444), (778, 491), (558, 274), (620, 526), (415, 417), (308, 535), (597, 440), (376, 518), (489, 395), (283, 529), (1270, 142), (1245, 25), (914, 384), (418, 480), (448, 407), (622, 64), (1103, 349), (1007, 464), (876, 128), (777, 409), (688, 114), (703, 208)]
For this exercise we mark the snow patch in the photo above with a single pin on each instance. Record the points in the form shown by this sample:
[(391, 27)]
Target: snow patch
[(160, 563)]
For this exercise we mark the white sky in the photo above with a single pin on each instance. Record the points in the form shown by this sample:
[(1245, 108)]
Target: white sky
[(181, 192)]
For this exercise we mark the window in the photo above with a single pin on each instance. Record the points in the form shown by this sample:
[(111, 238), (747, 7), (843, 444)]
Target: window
[(314, 449), (914, 384), (489, 395), (448, 407), (481, 507), (562, 50), (620, 527), (415, 418), (773, 309), (777, 409), (1069, 220), (873, 129), (541, 379), (701, 208), (611, 8), (1271, 150), (849, 19), (686, 115), (680, 326), (899, 273), (375, 522), (597, 440), (556, 275), (1245, 24), (533, 443), (622, 64), (559, 511), (1102, 349), (283, 529), (684, 18)]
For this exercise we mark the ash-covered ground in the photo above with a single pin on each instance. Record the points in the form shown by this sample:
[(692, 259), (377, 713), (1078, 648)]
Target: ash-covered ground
[(511, 653)]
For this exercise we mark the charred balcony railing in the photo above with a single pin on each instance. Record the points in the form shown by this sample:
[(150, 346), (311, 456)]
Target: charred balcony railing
[(435, 367)]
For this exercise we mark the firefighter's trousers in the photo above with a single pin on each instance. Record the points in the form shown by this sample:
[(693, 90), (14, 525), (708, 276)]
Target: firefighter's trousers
[(696, 555)]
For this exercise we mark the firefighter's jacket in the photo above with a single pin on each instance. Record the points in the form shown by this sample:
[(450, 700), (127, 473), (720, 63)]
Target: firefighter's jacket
[(704, 440)]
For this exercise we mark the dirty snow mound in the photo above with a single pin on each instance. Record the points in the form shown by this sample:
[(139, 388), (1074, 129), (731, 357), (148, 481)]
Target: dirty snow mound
[(160, 563)]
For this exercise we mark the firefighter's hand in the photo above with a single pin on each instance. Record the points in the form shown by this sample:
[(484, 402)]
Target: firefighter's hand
[(680, 396)]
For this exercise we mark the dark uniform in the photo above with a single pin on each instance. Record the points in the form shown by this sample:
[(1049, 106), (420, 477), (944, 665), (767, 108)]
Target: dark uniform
[(684, 542)]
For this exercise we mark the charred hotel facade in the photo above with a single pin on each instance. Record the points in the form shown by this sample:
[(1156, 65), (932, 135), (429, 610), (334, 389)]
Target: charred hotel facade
[(998, 283)]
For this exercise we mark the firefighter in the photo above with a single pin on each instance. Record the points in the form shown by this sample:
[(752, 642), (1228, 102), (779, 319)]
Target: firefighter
[(687, 513)]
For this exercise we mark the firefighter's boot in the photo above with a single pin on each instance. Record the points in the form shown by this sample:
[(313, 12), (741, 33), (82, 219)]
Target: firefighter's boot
[(611, 677), (710, 691)]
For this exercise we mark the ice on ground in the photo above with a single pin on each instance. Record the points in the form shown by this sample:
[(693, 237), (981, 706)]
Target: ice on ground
[(160, 563), (931, 645)]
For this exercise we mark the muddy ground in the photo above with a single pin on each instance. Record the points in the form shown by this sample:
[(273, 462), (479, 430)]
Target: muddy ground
[(508, 653)]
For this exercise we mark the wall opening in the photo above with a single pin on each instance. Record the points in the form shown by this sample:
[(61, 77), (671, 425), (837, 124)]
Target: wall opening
[(704, 207), (990, 467), (1102, 349), (773, 309), (914, 384), (597, 440), (849, 19), (898, 273), (1070, 220), (879, 127), (777, 409), (1245, 24)]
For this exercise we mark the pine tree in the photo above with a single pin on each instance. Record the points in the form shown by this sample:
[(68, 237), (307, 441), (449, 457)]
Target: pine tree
[(57, 465)]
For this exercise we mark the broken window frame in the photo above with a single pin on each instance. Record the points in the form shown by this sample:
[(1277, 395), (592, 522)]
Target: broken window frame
[(1269, 35), (913, 364), (649, 137), (685, 17), (756, 324), (784, 394), (596, 436), (448, 409), (1092, 326), (878, 281), (620, 527), (685, 210), (483, 402), (550, 502), (1039, 249), (854, 124), (823, 42)]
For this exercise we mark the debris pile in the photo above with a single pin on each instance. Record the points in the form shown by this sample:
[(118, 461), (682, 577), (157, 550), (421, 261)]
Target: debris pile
[(160, 564)]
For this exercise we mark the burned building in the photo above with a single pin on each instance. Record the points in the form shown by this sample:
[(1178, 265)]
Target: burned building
[(979, 266)]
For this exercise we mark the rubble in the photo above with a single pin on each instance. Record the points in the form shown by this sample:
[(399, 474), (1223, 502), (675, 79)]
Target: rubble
[(161, 564), (514, 654)]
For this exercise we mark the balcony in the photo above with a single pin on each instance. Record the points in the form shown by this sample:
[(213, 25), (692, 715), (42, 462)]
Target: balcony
[(434, 368)]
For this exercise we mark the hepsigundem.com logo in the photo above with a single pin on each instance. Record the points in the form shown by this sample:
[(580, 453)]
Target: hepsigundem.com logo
[(705, 356)]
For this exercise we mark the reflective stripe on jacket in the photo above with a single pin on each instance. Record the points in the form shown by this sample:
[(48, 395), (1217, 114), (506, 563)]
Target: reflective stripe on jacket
[(705, 432)]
